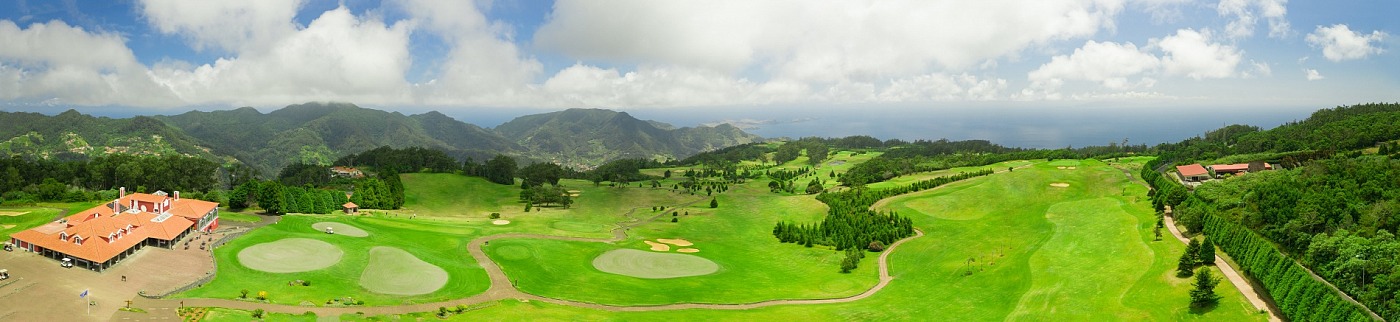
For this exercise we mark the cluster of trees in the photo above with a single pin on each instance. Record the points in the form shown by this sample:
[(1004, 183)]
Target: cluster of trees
[(542, 195), (274, 197), (26, 181), (1299, 296), (785, 180), (500, 169), (405, 160), (622, 171), (850, 224), (384, 191), (729, 155), (1197, 254), (1388, 148), (1335, 129), (1261, 218)]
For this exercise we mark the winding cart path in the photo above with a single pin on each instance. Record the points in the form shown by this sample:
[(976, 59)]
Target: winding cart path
[(501, 287)]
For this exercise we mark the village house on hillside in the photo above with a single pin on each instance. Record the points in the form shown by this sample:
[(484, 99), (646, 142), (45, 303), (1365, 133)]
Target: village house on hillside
[(347, 172), (99, 237)]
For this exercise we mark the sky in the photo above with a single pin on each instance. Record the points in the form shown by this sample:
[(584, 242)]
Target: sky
[(714, 60)]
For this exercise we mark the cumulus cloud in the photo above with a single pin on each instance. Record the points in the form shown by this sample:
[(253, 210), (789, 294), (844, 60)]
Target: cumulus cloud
[(60, 64), (1124, 66), (235, 26), (338, 56), (821, 41), (1245, 15), (1105, 62), (1312, 74), (1340, 43), (1162, 11), (1192, 54)]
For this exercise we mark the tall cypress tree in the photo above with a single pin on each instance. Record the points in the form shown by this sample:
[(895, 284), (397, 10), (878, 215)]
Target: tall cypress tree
[(1207, 252)]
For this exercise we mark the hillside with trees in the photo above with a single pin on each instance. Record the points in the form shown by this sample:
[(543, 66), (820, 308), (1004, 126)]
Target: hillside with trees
[(594, 136)]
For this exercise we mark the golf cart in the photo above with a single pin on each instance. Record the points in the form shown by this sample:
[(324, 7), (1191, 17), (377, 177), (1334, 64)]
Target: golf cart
[(4, 274), (67, 263), (9, 247), (329, 230)]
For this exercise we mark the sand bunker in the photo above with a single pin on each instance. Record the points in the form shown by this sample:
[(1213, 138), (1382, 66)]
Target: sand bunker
[(574, 193), (1060, 185), (499, 222), (643, 264), (290, 255), (12, 213), (340, 229), (659, 247), (678, 242), (688, 250), (1071, 168), (397, 272), (1061, 168)]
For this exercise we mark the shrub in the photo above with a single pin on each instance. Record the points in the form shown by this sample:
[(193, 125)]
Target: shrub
[(243, 294), (495, 215), (305, 283), (673, 219)]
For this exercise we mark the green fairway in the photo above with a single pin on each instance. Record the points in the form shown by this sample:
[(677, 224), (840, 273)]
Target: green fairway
[(434, 244), (225, 214), (13, 220), (654, 265), (394, 271)]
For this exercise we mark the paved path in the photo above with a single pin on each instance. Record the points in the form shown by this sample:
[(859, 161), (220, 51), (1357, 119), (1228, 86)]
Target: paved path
[(501, 287), (1229, 271)]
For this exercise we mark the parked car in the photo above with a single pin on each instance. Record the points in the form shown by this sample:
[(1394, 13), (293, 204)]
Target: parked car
[(67, 263)]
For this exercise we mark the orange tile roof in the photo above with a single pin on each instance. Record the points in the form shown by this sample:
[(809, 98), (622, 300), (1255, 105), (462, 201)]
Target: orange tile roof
[(1192, 170), (350, 205), (96, 224)]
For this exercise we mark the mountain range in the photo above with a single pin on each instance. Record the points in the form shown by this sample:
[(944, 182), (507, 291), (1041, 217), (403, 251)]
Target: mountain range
[(322, 132)]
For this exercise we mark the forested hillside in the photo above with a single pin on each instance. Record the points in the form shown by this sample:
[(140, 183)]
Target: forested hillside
[(593, 136), (1333, 206), (75, 136)]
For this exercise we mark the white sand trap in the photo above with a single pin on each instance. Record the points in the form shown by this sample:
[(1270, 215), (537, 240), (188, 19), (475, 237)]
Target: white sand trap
[(658, 247), (688, 250), (678, 242), (7, 226), (290, 255), (340, 229), (644, 264), (12, 213), (1071, 168), (1060, 185), (499, 222), (397, 272), (1061, 168)]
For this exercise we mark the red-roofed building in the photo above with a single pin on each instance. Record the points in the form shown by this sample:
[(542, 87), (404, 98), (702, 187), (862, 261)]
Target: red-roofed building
[(1193, 172), (1237, 168), (99, 237), (347, 172)]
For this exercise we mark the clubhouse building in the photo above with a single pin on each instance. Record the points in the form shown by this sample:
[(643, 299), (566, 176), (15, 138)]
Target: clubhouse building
[(99, 237)]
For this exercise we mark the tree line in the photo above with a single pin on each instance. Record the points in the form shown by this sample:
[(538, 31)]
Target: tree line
[(28, 181), (850, 224)]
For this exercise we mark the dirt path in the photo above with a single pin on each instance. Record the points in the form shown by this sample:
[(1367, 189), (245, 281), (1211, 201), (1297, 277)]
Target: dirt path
[(1229, 271)]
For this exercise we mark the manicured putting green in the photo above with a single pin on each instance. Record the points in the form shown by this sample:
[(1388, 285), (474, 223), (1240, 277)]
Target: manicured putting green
[(290, 255), (340, 229), (396, 272), (644, 264)]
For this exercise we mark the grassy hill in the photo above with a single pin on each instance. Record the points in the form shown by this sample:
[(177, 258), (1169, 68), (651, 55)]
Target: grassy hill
[(75, 136)]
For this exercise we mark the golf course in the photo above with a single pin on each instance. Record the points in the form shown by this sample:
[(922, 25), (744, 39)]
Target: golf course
[(1036, 240)]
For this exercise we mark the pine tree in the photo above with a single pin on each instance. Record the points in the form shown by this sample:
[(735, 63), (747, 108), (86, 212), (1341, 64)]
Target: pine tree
[(1207, 252), (714, 203), (1185, 264), (1204, 293), (1193, 251)]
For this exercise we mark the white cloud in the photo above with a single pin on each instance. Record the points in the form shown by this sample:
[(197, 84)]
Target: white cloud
[(234, 26), (1105, 62), (338, 56), (1339, 43), (1246, 13), (483, 67), (817, 41), (1124, 67), (1312, 74), (57, 63), (1192, 54)]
